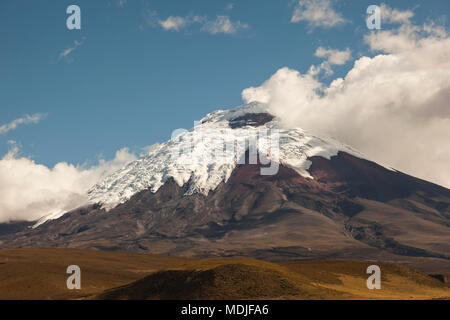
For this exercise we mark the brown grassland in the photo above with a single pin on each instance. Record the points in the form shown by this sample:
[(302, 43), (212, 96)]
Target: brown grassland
[(41, 274)]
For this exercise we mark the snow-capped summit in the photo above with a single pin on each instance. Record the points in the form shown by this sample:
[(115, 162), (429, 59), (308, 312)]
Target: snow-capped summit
[(207, 154), (222, 116)]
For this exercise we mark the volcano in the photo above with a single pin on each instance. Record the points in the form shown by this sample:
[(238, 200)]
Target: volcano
[(280, 194)]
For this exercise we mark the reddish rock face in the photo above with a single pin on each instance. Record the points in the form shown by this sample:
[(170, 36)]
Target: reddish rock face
[(368, 180), (352, 209)]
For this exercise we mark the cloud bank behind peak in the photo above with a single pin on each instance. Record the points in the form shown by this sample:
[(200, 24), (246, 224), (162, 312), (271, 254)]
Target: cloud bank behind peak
[(392, 106)]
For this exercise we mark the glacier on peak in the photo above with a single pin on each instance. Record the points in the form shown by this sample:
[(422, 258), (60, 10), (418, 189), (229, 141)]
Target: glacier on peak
[(197, 156)]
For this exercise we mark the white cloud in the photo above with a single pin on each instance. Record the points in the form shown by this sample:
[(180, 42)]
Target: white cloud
[(29, 191), (223, 24), (392, 106), (390, 15), (334, 56), (393, 40), (66, 52), (406, 37), (27, 119), (318, 13), (174, 23)]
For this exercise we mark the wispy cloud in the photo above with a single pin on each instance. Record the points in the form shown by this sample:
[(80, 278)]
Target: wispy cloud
[(26, 119), (221, 24), (334, 56), (176, 23), (66, 52), (173, 23), (318, 13), (391, 15)]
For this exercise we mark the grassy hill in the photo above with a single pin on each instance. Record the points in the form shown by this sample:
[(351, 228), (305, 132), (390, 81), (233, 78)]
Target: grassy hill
[(41, 274)]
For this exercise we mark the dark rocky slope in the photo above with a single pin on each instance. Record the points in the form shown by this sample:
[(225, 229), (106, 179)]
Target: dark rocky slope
[(352, 209)]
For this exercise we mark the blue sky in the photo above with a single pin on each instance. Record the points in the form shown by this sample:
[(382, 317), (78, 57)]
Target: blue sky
[(129, 82)]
